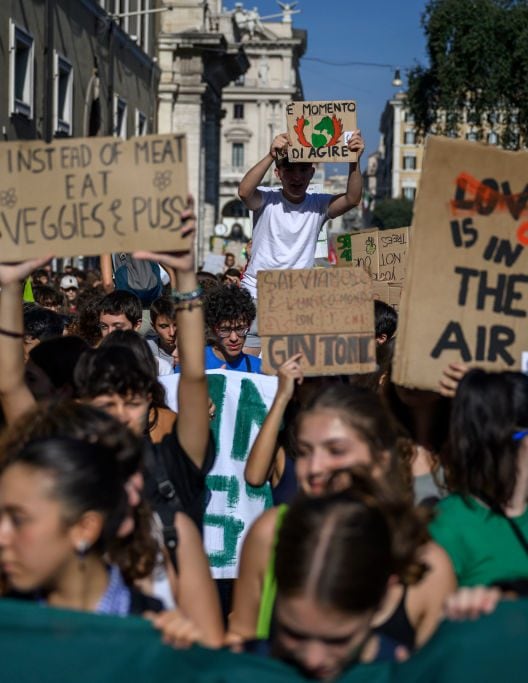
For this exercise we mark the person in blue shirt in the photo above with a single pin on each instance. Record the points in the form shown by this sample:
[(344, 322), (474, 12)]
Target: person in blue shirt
[(229, 312)]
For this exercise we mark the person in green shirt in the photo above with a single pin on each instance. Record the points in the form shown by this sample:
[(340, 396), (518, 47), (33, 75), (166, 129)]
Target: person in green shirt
[(483, 523)]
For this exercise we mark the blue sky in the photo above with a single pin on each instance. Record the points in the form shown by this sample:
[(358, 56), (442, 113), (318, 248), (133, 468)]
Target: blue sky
[(379, 31)]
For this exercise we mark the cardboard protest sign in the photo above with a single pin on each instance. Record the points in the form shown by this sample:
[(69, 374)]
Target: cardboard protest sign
[(327, 314), (359, 249), (393, 246), (242, 401), (466, 290), (395, 294), (383, 253), (320, 131), (93, 195), (380, 291)]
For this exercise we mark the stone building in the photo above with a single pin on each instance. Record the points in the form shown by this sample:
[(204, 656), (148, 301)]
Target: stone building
[(255, 103), (393, 171), (70, 69), (199, 54)]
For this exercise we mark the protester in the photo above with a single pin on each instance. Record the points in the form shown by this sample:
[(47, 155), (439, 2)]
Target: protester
[(69, 286), (41, 276), (229, 312), (61, 502), (287, 220), (231, 276), (184, 587), (385, 322), (334, 560), (119, 310), (161, 419), (271, 457), (163, 342), (229, 261), (483, 523), (88, 325), (424, 415), (50, 298), (337, 428), (40, 324), (57, 358)]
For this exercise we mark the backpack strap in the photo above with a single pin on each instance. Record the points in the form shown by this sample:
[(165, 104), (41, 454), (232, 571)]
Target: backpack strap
[(170, 504), (248, 364)]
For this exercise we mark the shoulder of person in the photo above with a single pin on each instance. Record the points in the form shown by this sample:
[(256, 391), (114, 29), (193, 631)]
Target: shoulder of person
[(436, 558), (262, 531)]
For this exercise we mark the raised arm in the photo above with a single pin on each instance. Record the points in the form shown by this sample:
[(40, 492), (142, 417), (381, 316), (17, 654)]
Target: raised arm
[(247, 190), (15, 396), (193, 400), (342, 203), (263, 462), (107, 275)]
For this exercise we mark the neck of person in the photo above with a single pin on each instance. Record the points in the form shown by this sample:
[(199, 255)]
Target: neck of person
[(169, 349), (80, 584), (516, 506), (293, 200), (222, 355)]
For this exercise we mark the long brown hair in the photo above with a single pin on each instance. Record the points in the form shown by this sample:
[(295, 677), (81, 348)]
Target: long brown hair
[(364, 411)]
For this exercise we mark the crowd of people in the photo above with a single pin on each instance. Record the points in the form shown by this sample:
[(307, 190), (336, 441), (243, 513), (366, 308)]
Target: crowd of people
[(393, 508)]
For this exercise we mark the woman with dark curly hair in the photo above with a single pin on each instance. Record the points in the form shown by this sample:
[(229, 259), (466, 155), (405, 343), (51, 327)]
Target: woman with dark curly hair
[(229, 312), (64, 476), (137, 548)]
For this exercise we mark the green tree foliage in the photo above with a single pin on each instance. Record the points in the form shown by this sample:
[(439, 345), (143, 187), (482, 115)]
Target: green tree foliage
[(392, 213), (478, 55)]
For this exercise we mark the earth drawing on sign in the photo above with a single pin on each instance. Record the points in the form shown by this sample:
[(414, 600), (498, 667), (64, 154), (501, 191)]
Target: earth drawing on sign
[(323, 132)]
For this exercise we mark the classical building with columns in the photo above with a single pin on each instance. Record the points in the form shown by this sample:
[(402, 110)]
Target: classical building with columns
[(226, 77), (255, 104), (199, 53)]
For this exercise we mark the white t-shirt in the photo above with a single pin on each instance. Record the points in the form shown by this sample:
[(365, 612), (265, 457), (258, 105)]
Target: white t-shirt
[(284, 233)]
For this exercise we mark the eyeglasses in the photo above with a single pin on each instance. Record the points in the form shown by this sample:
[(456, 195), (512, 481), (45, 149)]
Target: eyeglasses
[(70, 289), (517, 436), (225, 332)]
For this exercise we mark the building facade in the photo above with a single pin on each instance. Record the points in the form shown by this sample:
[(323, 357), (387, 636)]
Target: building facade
[(71, 69), (393, 171), (255, 104), (199, 54)]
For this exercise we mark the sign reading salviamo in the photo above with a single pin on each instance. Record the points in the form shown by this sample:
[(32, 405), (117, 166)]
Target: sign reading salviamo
[(466, 289), (327, 314), (92, 195)]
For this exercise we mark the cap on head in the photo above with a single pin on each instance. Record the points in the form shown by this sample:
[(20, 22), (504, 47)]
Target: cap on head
[(69, 281)]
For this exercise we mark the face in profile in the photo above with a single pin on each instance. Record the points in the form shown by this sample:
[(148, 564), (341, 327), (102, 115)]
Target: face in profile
[(326, 444), (318, 639), (37, 546)]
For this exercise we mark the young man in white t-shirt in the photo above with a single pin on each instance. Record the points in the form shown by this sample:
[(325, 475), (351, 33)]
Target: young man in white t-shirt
[(287, 220)]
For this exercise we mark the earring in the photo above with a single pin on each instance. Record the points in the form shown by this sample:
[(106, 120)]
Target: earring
[(81, 550)]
